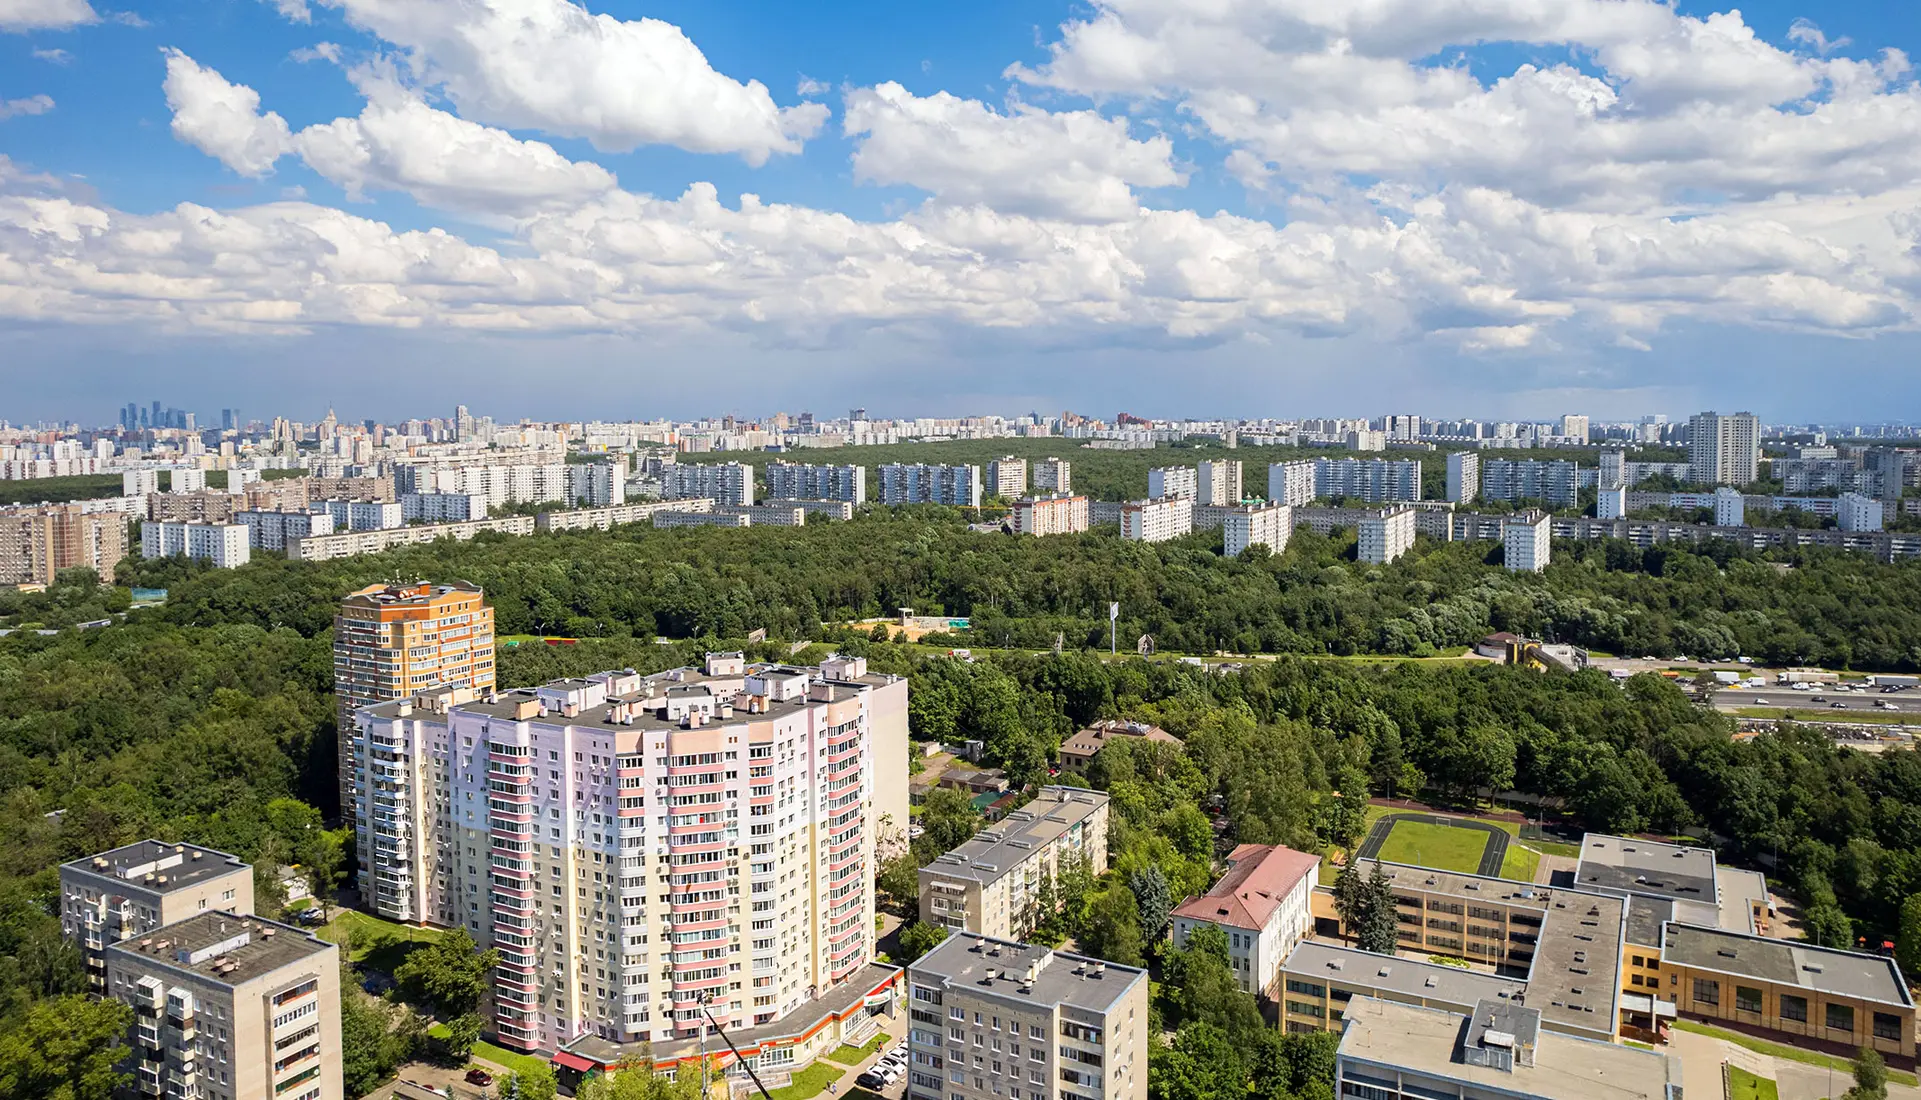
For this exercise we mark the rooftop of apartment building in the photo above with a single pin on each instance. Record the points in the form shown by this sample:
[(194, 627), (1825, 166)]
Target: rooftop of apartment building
[(159, 866), (1787, 962), (1577, 955), (1025, 973), (387, 596), (225, 947), (994, 852), (1474, 1049), (663, 700), (1322, 961), (1259, 878)]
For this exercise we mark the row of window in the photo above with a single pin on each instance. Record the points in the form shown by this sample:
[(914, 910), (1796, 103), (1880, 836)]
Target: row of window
[(1792, 1007)]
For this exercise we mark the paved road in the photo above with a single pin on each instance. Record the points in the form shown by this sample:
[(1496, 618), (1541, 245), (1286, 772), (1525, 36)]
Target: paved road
[(1907, 702)]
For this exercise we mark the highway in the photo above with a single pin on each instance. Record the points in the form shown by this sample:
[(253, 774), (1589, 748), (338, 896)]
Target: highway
[(1728, 698)]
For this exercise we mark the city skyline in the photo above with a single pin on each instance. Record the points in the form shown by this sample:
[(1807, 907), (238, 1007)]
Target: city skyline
[(1463, 204)]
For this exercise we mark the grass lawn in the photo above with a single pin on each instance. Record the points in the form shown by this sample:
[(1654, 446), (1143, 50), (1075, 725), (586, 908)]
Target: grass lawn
[(1520, 863), (1743, 1085), (506, 1059), (1792, 1054), (379, 944), (848, 1055), (1442, 847), (808, 1083)]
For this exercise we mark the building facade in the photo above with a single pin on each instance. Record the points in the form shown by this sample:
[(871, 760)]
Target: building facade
[(593, 485), (956, 486), (993, 1019), (1053, 475), (1557, 483), (1057, 514), (635, 845), (272, 530), (132, 890), (722, 482), (224, 545), (1463, 476), (1373, 480), (1724, 450), (393, 642), (991, 885), (1525, 542), (1291, 483), (442, 507), (37, 542), (1173, 481), (1382, 536), (798, 481), (1219, 481), (1247, 525), (1157, 520), (1007, 477)]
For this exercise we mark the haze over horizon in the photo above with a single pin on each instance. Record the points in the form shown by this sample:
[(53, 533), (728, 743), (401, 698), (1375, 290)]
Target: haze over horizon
[(1491, 208)]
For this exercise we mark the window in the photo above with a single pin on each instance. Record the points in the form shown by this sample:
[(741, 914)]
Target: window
[(1887, 1026), (1707, 992), (1746, 1000), (1794, 1008), (1841, 1017)]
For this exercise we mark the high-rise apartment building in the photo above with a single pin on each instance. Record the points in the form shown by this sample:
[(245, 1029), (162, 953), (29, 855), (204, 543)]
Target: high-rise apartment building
[(132, 890), (1246, 525), (1173, 481), (1373, 480), (1404, 428), (1056, 514), (1157, 520), (394, 641), (1525, 543), (1854, 512), (1054, 475), (1007, 477), (1724, 450), (992, 1019), (597, 484), (1463, 476), (721, 482), (1574, 428), (224, 545), (272, 530), (1556, 483), (638, 847), (1385, 535), (1291, 483), (1219, 481), (798, 481), (38, 541), (231, 1007), (957, 486)]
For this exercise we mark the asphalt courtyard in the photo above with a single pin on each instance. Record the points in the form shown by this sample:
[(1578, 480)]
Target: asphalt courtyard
[(1491, 856)]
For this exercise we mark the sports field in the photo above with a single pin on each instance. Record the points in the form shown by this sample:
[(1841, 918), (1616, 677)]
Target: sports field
[(1443, 847)]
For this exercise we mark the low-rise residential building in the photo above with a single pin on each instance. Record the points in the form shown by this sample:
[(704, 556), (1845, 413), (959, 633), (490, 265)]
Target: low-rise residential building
[(1262, 905), (784, 513), (991, 884), (132, 890), (1157, 520), (1059, 514), (602, 519), (1525, 543), (991, 1018), (231, 1007), (347, 544), (1079, 751), (224, 545), (1382, 536), (1498, 1050), (1247, 525), (701, 519)]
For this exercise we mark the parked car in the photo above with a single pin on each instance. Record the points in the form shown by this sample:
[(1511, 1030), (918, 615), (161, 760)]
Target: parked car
[(871, 1080), (478, 1076)]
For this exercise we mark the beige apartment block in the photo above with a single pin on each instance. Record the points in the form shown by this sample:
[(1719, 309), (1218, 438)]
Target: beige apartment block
[(991, 1019), (38, 541), (645, 851), (230, 1007), (133, 890), (989, 885)]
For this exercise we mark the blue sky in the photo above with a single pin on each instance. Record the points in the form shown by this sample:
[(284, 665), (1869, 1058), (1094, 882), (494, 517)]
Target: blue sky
[(1495, 207)]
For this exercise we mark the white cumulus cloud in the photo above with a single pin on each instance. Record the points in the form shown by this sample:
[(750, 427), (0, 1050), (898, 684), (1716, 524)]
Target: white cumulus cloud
[(1073, 164), (553, 66), (45, 15), (31, 105), (222, 119)]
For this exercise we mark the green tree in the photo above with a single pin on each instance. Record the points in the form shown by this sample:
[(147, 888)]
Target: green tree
[(1907, 943), (1189, 829), (1111, 929), (1350, 896), (1202, 986), (65, 1048), (375, 1038), (1379, 930), (1154, 899), (947, 819), (462, 1033), (1870, 1077), (449, 974), (917, 938), (533, 1081), (899, 879), (640, 1083)]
